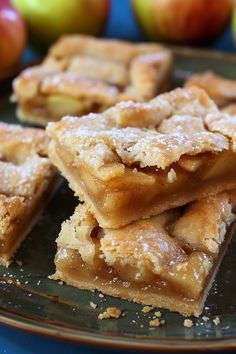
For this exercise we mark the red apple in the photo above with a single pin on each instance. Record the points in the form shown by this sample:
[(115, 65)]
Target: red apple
[(12, 35), (234, 22), (182, 21), (48, 20)]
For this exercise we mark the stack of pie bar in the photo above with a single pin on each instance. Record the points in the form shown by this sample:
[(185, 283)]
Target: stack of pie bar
[(82, 74), (157, 180), (27, 178)]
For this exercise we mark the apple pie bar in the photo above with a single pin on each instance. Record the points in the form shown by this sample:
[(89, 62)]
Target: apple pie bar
[(220, 89), (82, 74), (136, 160), (27, 178), (166, 261)]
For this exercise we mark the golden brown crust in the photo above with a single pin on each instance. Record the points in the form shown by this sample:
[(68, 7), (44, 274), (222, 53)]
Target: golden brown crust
[(15, 140), (26, 174), (27, 85), (224, 124), (220, 89), (114, 50), (204, 223), (109, 71), (69, 84), (76, 233), (10, 209), (102, 71), (114, 136)]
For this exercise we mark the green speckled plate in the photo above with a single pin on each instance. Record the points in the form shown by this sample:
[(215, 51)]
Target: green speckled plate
[(34, 303)]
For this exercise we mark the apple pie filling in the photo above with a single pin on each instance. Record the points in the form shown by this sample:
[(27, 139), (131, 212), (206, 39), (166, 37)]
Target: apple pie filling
[(141, 192), (82, 74), (138, 160), (53, 107), (165, 261), (26, 180)]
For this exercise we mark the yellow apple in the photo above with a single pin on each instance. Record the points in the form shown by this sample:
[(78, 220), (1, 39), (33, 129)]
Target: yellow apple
[(47, 20), (182, 21)]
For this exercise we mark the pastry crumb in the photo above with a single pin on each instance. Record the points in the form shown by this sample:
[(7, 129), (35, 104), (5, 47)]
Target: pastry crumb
[(60, 282), (111, 312), (19, 263), (101, 295), (9, 281), (212, 245), (216, 321), (188, 323), (93, 305), (147, 309), (171, 176), (155, 323), (157, 313), (205, 318)]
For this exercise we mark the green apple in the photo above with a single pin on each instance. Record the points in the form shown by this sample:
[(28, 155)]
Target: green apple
[(47, 20), (182, 21)]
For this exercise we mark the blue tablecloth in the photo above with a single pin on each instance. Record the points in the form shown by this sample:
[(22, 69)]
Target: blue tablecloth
[(122, 25)]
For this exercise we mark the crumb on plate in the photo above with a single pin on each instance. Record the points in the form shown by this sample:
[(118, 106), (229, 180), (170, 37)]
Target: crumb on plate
[(216, 321), (111, 312), (147, 309), (188, 323), (93, 305)]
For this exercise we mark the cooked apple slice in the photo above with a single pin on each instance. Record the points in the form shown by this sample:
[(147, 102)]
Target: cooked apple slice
[(223, 163), (59, 105)]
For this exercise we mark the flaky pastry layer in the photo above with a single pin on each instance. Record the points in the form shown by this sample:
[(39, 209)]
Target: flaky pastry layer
[(82, 74), (27, 179), (220, 89)]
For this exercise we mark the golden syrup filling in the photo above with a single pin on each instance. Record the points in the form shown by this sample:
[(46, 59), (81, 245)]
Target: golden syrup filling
[(188, 279), (138, 192)]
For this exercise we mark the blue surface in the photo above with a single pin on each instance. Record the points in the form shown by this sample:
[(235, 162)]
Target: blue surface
[(122, 25)]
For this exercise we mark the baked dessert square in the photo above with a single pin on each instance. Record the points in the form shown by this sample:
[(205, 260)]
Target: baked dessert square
[(82, 74), (166, 261), (219, 88), (137, 160), (27, 179)]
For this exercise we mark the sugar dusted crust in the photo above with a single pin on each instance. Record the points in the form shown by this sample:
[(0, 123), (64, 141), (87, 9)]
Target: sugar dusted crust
[(223, 92), (89, 75), (155, 261), (224, 124), (137, 160), (26, 181), (220, 89), (129, 132)]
